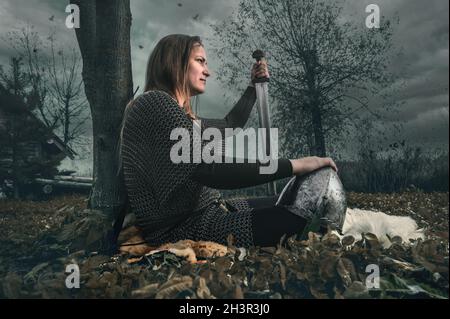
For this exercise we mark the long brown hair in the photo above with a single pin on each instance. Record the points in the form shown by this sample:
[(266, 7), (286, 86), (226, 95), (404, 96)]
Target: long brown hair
[(168, 65)]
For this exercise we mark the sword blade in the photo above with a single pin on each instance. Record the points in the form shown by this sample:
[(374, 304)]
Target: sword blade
[(262, 97)]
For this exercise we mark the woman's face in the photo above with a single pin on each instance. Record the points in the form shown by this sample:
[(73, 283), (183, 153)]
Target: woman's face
[(198, 70)]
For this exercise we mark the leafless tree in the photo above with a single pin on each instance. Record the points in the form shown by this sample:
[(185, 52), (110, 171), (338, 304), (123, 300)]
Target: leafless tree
[(54, 83), (323, 70), (30, 47), (66, 90)]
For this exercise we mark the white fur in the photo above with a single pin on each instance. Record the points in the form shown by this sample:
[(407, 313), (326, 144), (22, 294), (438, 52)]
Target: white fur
[(358, 221)]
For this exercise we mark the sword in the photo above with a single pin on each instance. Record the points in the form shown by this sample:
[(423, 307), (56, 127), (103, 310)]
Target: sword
[(262, 96)]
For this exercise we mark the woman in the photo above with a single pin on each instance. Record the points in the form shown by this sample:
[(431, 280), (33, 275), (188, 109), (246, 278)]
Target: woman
[(180, 201)]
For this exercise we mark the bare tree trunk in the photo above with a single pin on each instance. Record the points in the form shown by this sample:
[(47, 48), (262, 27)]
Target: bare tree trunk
[(15, 165), (66, 121), (65, 86), (310, 138), (104, 40), (311, 64), (319, 138)]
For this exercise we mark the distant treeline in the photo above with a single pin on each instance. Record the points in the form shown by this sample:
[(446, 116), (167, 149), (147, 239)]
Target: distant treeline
[(390, 174), (411, 171)]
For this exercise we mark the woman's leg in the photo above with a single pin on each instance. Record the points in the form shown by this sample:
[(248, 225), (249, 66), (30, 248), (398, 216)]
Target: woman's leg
[(269, 224), (259, 219)]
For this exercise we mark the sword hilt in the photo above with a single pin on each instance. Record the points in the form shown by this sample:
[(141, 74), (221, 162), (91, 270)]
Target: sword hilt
[(259, 55)]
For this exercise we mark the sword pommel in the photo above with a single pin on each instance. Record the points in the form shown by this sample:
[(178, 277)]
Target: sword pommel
[(259, 55)]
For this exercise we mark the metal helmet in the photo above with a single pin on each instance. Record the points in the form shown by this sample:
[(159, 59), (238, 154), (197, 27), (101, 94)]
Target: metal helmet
[(317, 195)]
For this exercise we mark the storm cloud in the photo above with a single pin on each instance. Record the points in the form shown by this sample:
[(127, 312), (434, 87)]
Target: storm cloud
[(422, 34)]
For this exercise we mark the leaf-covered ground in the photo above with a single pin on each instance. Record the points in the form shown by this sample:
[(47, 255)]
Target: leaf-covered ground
[(34, 255)]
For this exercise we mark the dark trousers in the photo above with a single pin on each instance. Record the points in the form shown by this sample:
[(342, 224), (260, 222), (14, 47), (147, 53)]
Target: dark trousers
[(270, 223)]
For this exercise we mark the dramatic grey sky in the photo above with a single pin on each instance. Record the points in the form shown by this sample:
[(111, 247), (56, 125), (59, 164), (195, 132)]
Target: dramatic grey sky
[(423, 33)]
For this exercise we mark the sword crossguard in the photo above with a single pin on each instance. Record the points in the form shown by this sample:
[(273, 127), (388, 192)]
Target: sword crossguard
[(259, 55)]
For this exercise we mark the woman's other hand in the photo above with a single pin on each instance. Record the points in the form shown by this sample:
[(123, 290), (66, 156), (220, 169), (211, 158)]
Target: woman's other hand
[(260, 70), (306, 165)]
